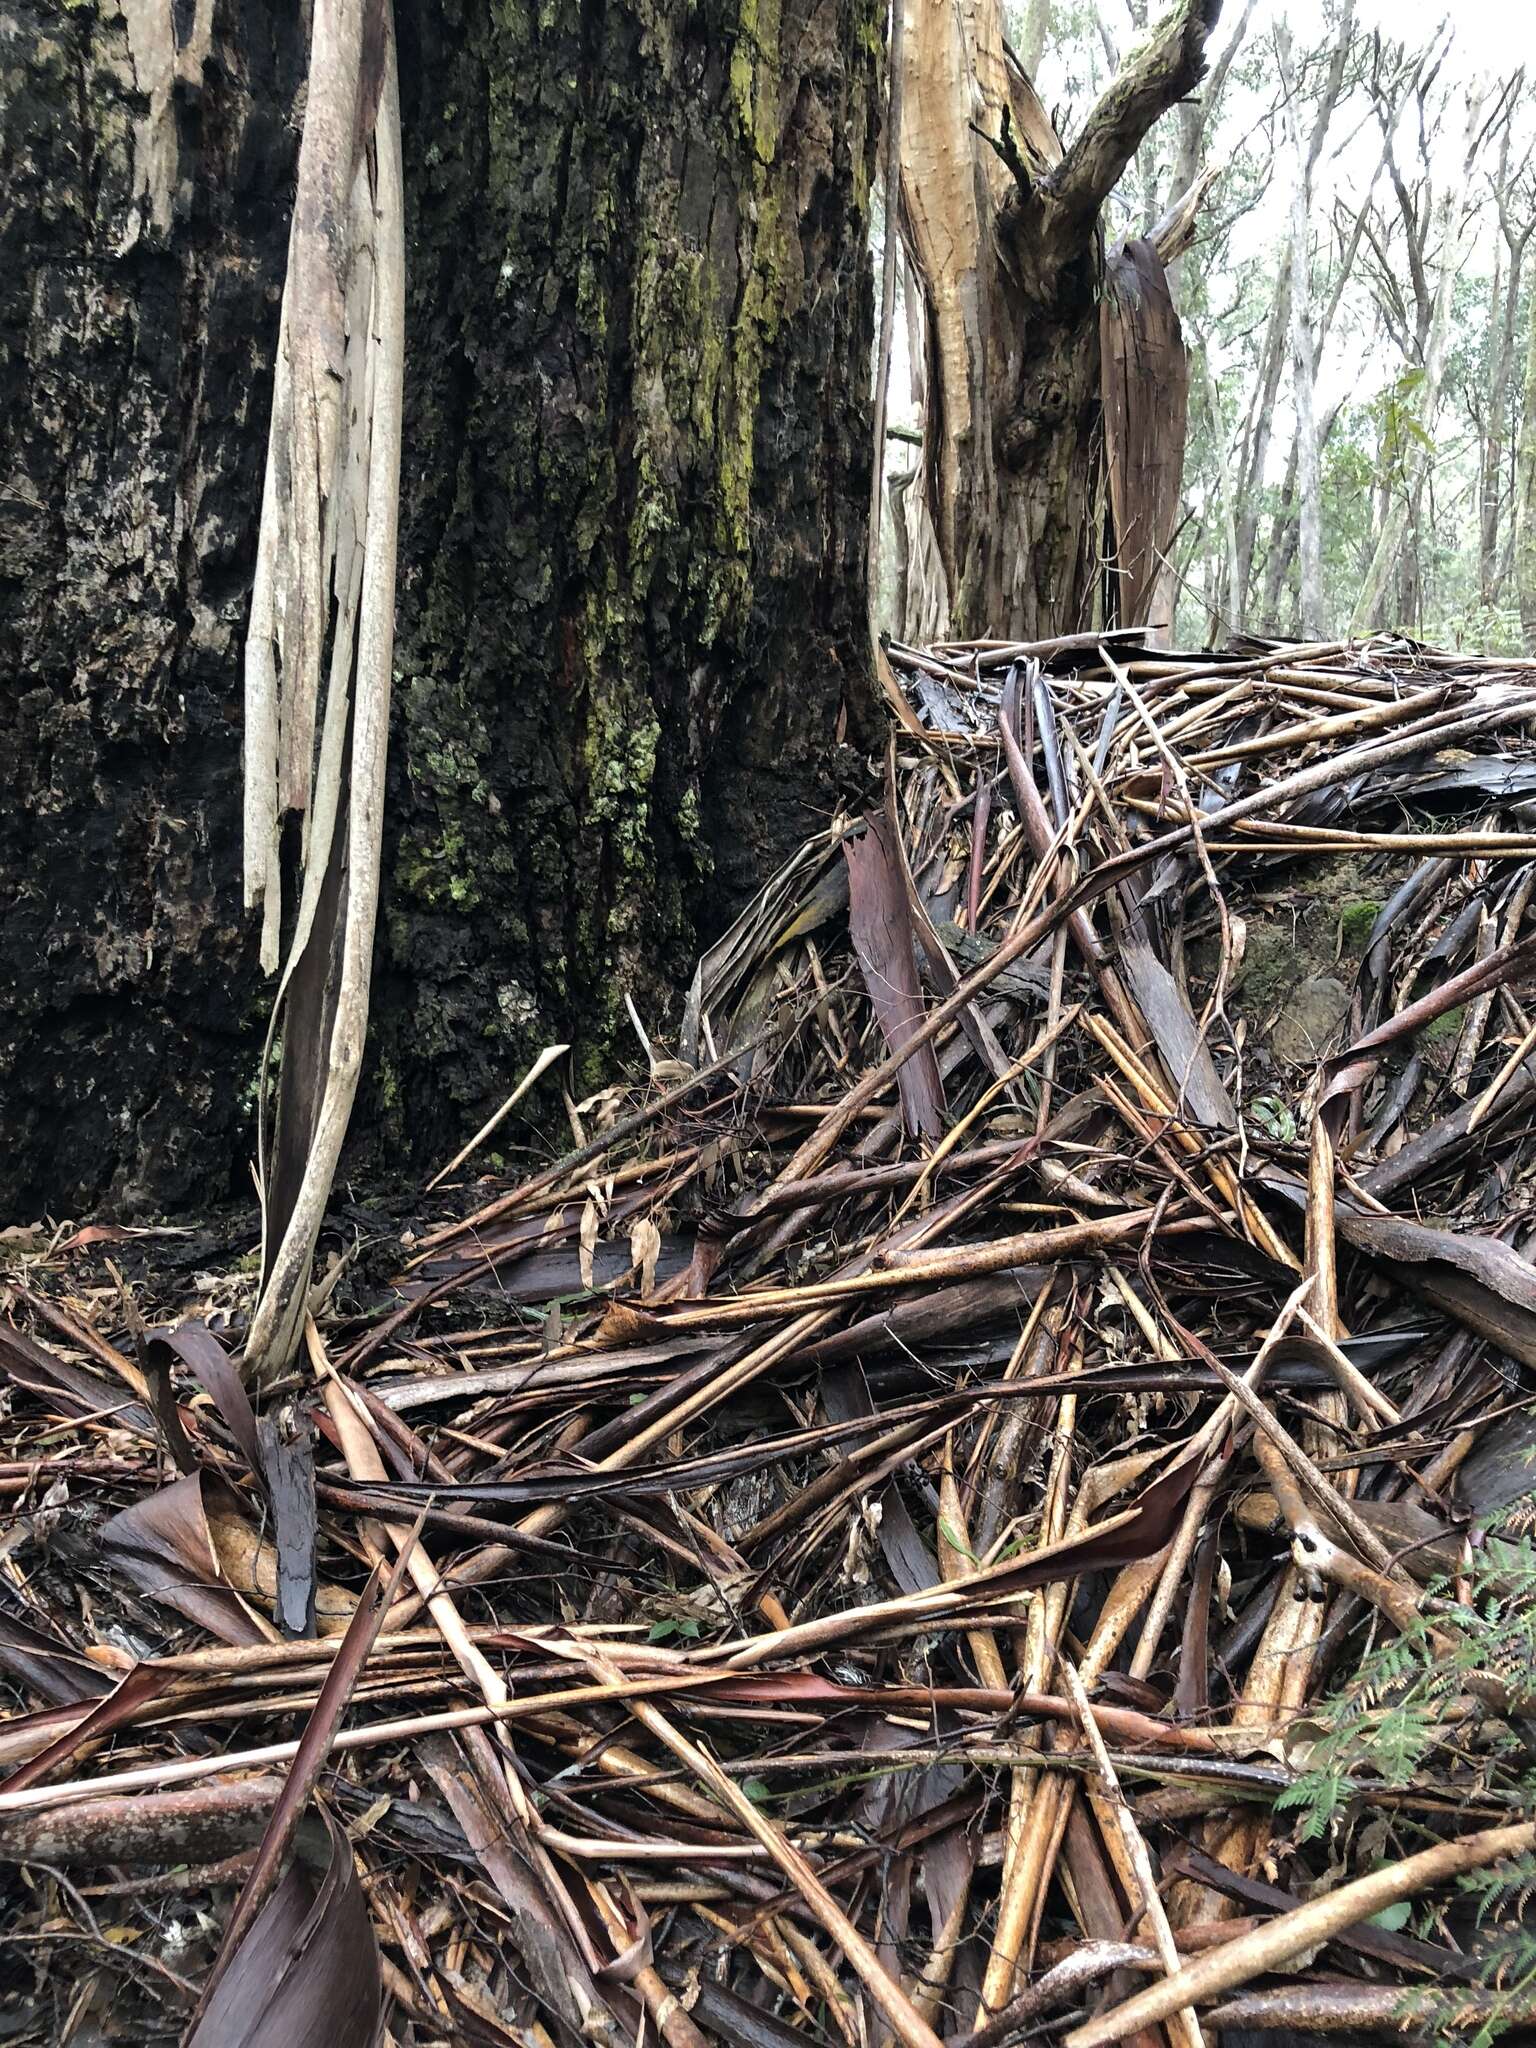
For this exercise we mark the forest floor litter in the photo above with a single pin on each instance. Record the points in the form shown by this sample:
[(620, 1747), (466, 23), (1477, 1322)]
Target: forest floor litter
[(981, 1499)]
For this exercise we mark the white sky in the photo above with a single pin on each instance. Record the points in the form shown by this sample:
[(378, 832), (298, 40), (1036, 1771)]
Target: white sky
[(1497, 35)]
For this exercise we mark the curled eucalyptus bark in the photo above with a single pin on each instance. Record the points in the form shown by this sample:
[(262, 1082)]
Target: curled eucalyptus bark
[(323, 603)]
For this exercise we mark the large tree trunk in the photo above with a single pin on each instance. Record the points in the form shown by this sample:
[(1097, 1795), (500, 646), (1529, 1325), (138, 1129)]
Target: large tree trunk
[(1002, 228), (632, 540)]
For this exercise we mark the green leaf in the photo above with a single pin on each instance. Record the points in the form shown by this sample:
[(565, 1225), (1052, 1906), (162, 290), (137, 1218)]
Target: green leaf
[(670, 1625), (1274, 1118), (1391, 1918)]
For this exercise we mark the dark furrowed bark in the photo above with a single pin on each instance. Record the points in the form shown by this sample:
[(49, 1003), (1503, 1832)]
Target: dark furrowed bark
[(639, 300), (631, 600), (140, 233)]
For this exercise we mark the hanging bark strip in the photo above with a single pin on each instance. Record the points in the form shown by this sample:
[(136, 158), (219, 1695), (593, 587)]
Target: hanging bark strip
[(1144, 380), (323, 597), (882, 937)]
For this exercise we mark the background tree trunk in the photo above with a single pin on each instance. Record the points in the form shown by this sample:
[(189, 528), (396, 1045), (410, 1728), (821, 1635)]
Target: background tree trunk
[(1002, 228), (1253, 453), (1503, 326), (1036, 35), (1525, 498), (1305, 151), (1434, 223), (632, 540)]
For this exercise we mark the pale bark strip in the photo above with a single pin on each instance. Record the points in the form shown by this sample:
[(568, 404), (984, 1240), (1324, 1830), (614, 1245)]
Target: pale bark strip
[(541, 1065), (892, 147), (291, 592), (949, 195), (1183, 2027), (1144, 388), (260, 819), (334, 531)]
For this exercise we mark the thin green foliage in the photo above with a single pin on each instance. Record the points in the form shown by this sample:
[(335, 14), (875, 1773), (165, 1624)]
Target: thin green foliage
[(1448, 1709)]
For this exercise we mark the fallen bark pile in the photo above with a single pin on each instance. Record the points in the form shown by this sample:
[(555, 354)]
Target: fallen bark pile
[(970, 1506)]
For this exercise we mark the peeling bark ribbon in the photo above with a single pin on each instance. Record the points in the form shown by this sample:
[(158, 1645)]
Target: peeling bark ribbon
[(323, 599)]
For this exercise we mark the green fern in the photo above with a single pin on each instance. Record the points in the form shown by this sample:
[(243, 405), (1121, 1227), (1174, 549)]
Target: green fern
[(1448, 1707)]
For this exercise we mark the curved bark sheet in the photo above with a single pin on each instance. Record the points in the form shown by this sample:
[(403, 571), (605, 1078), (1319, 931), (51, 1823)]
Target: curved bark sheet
[(1349, 1070), (169, 1546), (1480, 1280), (1172, 1023), (277, 1839), (554, 1968), (1144, 378), (141, 1685), (307, 1975), (277, 1451), (46, 1664), (191, 1546), (195, 1345), (1295, 1361), (74, 1388), (882, 937)]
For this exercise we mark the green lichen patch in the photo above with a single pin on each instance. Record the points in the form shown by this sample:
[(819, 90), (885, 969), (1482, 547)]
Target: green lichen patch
[(1355, 923)]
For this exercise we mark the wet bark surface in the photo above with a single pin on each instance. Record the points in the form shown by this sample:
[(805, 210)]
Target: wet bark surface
[(631, 609), (141, 244)]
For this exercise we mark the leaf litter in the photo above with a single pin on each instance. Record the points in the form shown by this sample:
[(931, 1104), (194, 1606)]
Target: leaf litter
[(891, 1537)]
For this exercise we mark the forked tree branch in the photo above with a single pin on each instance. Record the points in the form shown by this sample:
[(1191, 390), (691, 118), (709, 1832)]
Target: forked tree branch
[(1153, 78)]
